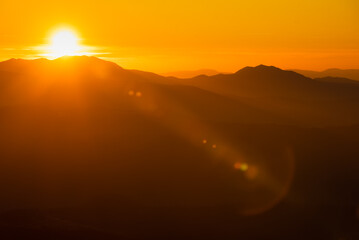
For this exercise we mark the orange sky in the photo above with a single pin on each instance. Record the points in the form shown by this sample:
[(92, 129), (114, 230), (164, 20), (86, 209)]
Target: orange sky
[(162, 35)]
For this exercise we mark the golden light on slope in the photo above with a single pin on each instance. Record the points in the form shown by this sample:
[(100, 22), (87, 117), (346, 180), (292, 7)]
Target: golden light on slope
[(64, 42)]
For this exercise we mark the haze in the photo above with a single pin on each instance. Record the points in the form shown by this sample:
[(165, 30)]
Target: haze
[(163, 36), (179, 120)]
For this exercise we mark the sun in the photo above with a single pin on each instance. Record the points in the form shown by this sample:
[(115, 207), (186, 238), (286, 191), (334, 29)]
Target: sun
[(64, 42)]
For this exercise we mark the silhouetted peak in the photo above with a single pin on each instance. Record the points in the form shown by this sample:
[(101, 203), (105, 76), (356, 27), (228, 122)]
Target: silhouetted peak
[(14, 61), (191, 74), (22, 65), (259, 68), (65, 63), (263, 71), (77, 58), (83, 60)]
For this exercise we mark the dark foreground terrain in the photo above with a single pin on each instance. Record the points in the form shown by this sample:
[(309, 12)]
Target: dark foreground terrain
[(89, 150)]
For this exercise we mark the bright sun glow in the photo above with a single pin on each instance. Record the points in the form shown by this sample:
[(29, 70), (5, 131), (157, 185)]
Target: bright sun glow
[(64, 42)]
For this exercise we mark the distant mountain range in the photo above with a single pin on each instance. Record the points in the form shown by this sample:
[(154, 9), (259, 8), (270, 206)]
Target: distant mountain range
[(191, 74), (334, 72), (327, 75), (286, 93), (90, 150)]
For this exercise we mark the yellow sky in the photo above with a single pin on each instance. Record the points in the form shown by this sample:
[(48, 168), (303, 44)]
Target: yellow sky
[(162, 35)]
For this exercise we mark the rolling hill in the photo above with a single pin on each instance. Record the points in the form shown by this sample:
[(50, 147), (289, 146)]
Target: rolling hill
[(88, 148)]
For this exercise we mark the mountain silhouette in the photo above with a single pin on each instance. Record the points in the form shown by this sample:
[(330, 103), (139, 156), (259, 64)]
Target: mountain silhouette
[(333, 72), (92, 150), (190, 74), (264, 81), (287, 94)]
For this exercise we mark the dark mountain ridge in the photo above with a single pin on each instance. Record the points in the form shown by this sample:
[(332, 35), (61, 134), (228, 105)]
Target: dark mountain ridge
[(333, 72), (191, 74), (91, 150)]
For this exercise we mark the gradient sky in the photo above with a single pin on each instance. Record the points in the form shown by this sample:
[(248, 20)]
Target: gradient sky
[(162, 35)]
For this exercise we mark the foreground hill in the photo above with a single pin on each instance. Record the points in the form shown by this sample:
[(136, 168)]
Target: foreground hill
[(88, 148)]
